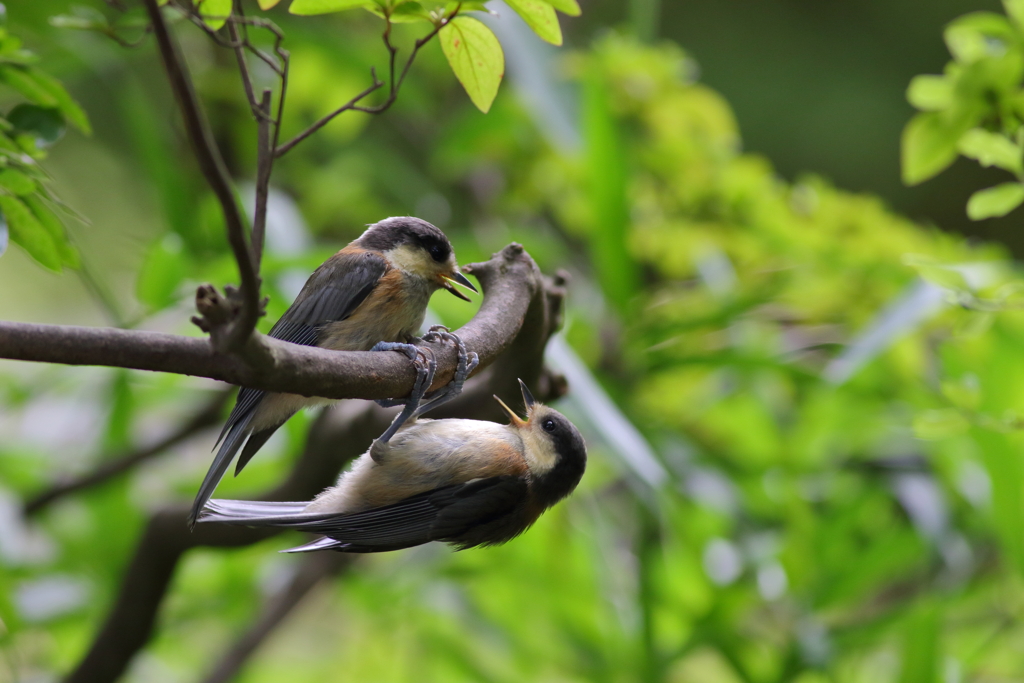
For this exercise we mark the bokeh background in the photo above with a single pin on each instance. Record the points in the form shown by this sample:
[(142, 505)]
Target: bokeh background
[(805, 460)]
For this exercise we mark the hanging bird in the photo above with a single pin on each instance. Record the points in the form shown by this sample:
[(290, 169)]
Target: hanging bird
[(370, 296), (465, 482)]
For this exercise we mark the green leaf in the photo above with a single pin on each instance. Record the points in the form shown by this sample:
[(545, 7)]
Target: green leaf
[(1001, 456), (921, 652), (927, 147), (930, 93), (540, 16), (65, 103), (267, 4), (55, 228), (934, 425), (991, 149), (978, 35), (28, 232), (995, 201), (161, 273), (16, 182), (308, 7), (475, 56), (19, 78), (44, 124), (1015, 10), (937, 273), (215, 12), (570, 7)]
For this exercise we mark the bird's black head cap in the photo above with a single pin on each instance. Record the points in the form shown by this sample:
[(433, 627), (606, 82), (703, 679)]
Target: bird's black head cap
[(562, 478), (394, 232)]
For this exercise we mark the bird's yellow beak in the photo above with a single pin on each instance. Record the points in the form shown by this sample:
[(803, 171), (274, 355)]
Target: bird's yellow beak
[(457, 278), (516, 420)]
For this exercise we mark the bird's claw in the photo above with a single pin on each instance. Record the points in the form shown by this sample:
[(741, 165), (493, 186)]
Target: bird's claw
[(468, 361), (425, 364)]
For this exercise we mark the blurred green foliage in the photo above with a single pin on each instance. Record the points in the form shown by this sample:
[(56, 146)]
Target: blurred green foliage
[(975, 109), (835, 392)]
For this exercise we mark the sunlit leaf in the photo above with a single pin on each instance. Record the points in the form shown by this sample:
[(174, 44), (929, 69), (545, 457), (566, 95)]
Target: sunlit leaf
[(308, 7), (995, 201), (26, 231), (930, 93), (570, 7), (927, 147), (991, 149), (475, 56), (55, 228), (1015, 10), (18, 77), (933, 425), (215, 12), (540, 16), (16, 182), (267, 4)]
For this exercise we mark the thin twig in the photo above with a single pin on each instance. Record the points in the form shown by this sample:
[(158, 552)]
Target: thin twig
[(243, 67), (394, 85), (212, 166), (208, 416), (264, 165), (351, 104)]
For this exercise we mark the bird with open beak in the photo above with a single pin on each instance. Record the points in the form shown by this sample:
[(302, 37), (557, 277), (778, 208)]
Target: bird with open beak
[(371, 295), (465, 482)]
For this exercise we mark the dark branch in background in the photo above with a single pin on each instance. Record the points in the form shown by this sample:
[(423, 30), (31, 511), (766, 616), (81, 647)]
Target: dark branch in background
[(212, 166), (313, 569), (509, 280), (336, 437), (208, 416)]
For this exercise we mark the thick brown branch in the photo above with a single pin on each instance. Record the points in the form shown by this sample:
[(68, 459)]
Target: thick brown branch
[(510, 279), (336, 437), (208, 416), (212, 166)]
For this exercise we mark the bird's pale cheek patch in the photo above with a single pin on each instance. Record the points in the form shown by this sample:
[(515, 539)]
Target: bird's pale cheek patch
[(540, 452), (412, 260)]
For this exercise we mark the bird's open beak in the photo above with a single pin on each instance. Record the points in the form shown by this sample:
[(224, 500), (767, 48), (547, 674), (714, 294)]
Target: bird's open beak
[(457, 278), (528, 398), (516, 420)]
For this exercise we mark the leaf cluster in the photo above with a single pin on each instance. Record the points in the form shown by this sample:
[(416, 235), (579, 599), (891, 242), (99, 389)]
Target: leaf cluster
[(27, 205)]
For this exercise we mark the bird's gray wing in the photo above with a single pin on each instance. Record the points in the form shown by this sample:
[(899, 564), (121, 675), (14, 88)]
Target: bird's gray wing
[(332, 293)]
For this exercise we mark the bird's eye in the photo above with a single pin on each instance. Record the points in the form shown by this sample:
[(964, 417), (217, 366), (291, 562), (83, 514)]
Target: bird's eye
[(437, 253), (548, 425)]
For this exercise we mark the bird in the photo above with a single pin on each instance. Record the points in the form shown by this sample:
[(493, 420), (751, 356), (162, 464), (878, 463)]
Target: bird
[(464, 482), (370, 296)]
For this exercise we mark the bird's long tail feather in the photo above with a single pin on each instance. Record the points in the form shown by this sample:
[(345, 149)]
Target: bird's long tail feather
[(233, 440)]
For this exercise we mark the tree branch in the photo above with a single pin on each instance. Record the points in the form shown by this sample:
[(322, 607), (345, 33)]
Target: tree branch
[(212, 166), (208, 416), (335, 438), (510, 279), (395, 86), (313, 569)]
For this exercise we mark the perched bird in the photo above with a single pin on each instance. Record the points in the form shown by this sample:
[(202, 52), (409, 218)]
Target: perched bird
[(464, 482), (371, 295)]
